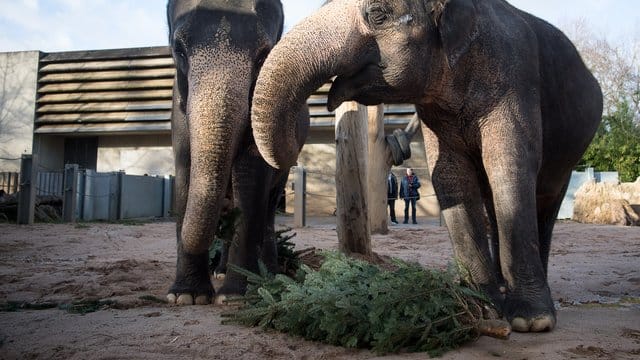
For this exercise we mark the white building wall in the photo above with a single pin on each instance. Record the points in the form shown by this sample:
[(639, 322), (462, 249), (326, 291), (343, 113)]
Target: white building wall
[(18, 80)]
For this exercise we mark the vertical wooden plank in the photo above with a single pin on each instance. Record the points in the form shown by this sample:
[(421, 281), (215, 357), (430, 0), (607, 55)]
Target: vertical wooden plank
[(351, 179), (15, 184), (70, 193), (114, 197), (377, 170)]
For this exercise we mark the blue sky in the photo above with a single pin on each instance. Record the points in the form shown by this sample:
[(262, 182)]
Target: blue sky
[(61, 25)]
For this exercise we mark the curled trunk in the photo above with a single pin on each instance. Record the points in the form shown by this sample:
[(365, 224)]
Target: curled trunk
[(294, 69)]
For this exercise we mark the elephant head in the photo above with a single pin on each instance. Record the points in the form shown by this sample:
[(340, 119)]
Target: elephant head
[(218, 48), (378, 50)]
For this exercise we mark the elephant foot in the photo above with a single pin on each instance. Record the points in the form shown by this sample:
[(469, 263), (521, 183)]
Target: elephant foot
[(221, 299), (540, 323), (193, 283), (530, 316), (232, 287), (187, 299), (197, 295)]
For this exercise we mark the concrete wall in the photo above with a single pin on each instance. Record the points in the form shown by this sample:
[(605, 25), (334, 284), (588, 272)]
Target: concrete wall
[(18, 79), (319, 159), (50, 151), (137, 155)]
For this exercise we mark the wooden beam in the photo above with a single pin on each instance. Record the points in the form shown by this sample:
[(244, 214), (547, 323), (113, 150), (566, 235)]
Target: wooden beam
[(88, 107), (87, 55), (105, 65), (377, 170), (106, 96), (150, 84), (164, 73), (104, 117)]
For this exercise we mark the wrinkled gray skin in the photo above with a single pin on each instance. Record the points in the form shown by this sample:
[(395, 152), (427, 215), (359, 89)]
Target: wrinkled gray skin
[(218, 48), (509, 105)]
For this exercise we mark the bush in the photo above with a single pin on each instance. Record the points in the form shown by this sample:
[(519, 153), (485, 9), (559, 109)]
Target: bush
[(616, 145)]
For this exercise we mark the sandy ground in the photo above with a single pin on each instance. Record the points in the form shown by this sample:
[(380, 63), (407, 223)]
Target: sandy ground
[(594, 275)]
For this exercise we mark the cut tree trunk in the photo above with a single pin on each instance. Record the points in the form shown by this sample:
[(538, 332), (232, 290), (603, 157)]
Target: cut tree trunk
[(351, 179)]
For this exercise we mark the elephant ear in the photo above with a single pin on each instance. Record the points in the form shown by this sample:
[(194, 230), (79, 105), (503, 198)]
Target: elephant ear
[(456, 22)]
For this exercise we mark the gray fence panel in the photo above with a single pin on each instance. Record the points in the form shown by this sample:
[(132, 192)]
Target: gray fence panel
[(607, 177), (577, 179), (98, 195), (50, 183), (141, 196)]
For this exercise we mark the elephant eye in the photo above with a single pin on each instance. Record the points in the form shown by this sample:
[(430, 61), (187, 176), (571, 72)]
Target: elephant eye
[(377, 14), (180, 56)]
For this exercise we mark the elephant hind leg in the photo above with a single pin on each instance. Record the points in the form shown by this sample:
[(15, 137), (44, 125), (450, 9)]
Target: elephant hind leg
[(548, 205), (548, 202), (491, 225)]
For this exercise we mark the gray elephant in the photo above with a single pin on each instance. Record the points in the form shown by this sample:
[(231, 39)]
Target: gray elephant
[(218, 48), (509, 108)]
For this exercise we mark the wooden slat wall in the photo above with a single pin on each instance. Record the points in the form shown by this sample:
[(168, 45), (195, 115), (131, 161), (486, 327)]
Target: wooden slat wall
[(130, 90)]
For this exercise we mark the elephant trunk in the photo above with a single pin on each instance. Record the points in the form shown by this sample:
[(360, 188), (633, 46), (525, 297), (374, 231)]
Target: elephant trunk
[(294, 69), (217, 116)]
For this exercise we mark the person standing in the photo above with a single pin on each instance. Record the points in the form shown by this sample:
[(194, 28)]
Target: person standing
[(409, 192), (392, 195)]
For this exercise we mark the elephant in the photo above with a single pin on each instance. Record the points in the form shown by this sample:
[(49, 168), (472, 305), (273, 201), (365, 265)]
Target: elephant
[(508, 108), (218, 47)]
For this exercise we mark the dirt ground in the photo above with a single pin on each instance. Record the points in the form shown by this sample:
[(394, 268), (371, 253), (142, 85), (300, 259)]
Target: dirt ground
[(594, 276)]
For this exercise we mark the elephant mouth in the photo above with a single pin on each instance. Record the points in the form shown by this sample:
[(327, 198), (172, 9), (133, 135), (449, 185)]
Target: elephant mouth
[(358, 86)]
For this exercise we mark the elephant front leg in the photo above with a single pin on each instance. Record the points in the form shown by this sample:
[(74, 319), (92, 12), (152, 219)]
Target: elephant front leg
[(192, 284), (511, 163)]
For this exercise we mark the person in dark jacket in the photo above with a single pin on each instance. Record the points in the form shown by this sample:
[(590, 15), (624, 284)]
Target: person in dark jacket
[(409, 192), (392, 195)]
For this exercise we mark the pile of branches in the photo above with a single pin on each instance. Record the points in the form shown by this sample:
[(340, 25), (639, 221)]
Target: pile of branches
[(48, 208), (353, 303)]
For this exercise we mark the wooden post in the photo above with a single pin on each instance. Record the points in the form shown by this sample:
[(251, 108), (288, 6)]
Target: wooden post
[(167, 196), (351, 179), (425, 130), (300, 197), (115, 196), (70, 193), (27, 195), (377, 170)]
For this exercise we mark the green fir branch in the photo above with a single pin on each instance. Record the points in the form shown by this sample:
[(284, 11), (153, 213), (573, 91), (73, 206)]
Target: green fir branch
[(355, 304)]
